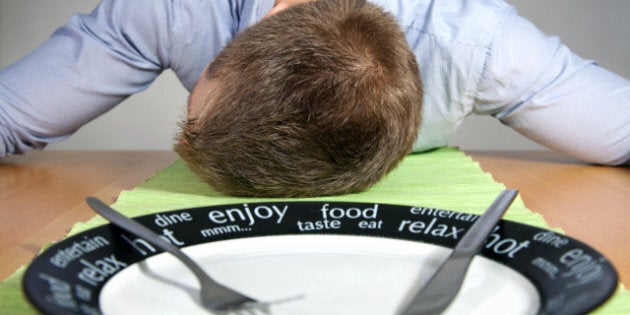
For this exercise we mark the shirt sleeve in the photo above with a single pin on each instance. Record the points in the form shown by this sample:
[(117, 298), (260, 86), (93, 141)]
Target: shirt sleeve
[(87, 66), (536, 85)]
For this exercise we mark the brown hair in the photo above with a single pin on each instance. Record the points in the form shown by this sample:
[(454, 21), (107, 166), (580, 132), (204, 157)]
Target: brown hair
[(323, 98)]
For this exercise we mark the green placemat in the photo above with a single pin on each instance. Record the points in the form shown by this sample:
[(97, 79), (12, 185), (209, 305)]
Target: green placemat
[(445, 179)]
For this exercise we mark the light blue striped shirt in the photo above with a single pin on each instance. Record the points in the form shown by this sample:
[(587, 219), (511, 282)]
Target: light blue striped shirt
[(475, 57)]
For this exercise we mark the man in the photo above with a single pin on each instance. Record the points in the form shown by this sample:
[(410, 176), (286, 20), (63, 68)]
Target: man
[(474, 57), (322, 98)]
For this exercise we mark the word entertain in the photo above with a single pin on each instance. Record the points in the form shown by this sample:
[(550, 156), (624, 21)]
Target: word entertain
[(444, 214), (68, 254)]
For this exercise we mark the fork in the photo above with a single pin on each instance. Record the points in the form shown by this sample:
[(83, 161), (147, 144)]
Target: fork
[(438, 293), (213, 295)]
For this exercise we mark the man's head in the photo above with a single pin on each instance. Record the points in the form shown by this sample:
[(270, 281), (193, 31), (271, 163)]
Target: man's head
[(322, 98)]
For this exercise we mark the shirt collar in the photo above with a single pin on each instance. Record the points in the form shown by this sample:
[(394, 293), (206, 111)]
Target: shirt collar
[(253, 11)]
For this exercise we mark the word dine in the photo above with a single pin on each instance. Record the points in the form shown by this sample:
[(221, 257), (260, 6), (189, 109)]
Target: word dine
[(164, 220)]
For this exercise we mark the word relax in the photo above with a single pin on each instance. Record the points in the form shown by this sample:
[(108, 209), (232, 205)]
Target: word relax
[(77, 249), (496, 243), (99, 270)]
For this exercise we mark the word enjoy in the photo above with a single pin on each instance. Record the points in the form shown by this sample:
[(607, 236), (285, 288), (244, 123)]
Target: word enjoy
[(550, 238), (245, 214), (582, 266)]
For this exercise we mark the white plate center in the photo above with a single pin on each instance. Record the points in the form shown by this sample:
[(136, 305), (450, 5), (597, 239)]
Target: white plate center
[(314, 274)]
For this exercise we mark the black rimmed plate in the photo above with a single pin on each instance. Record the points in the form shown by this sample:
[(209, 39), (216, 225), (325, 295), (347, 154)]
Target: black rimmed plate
[(316, 258)]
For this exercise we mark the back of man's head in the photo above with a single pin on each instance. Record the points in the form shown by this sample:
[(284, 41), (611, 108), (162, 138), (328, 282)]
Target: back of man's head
[(323, 98)]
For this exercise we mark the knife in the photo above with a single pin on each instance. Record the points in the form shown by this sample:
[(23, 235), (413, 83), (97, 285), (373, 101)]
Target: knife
[(438, 293)]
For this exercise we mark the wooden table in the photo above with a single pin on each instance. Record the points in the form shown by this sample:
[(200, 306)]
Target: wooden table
[(42, 195)]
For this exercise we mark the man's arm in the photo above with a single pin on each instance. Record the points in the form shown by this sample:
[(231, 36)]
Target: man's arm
[(536, 85), (86, 67)]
